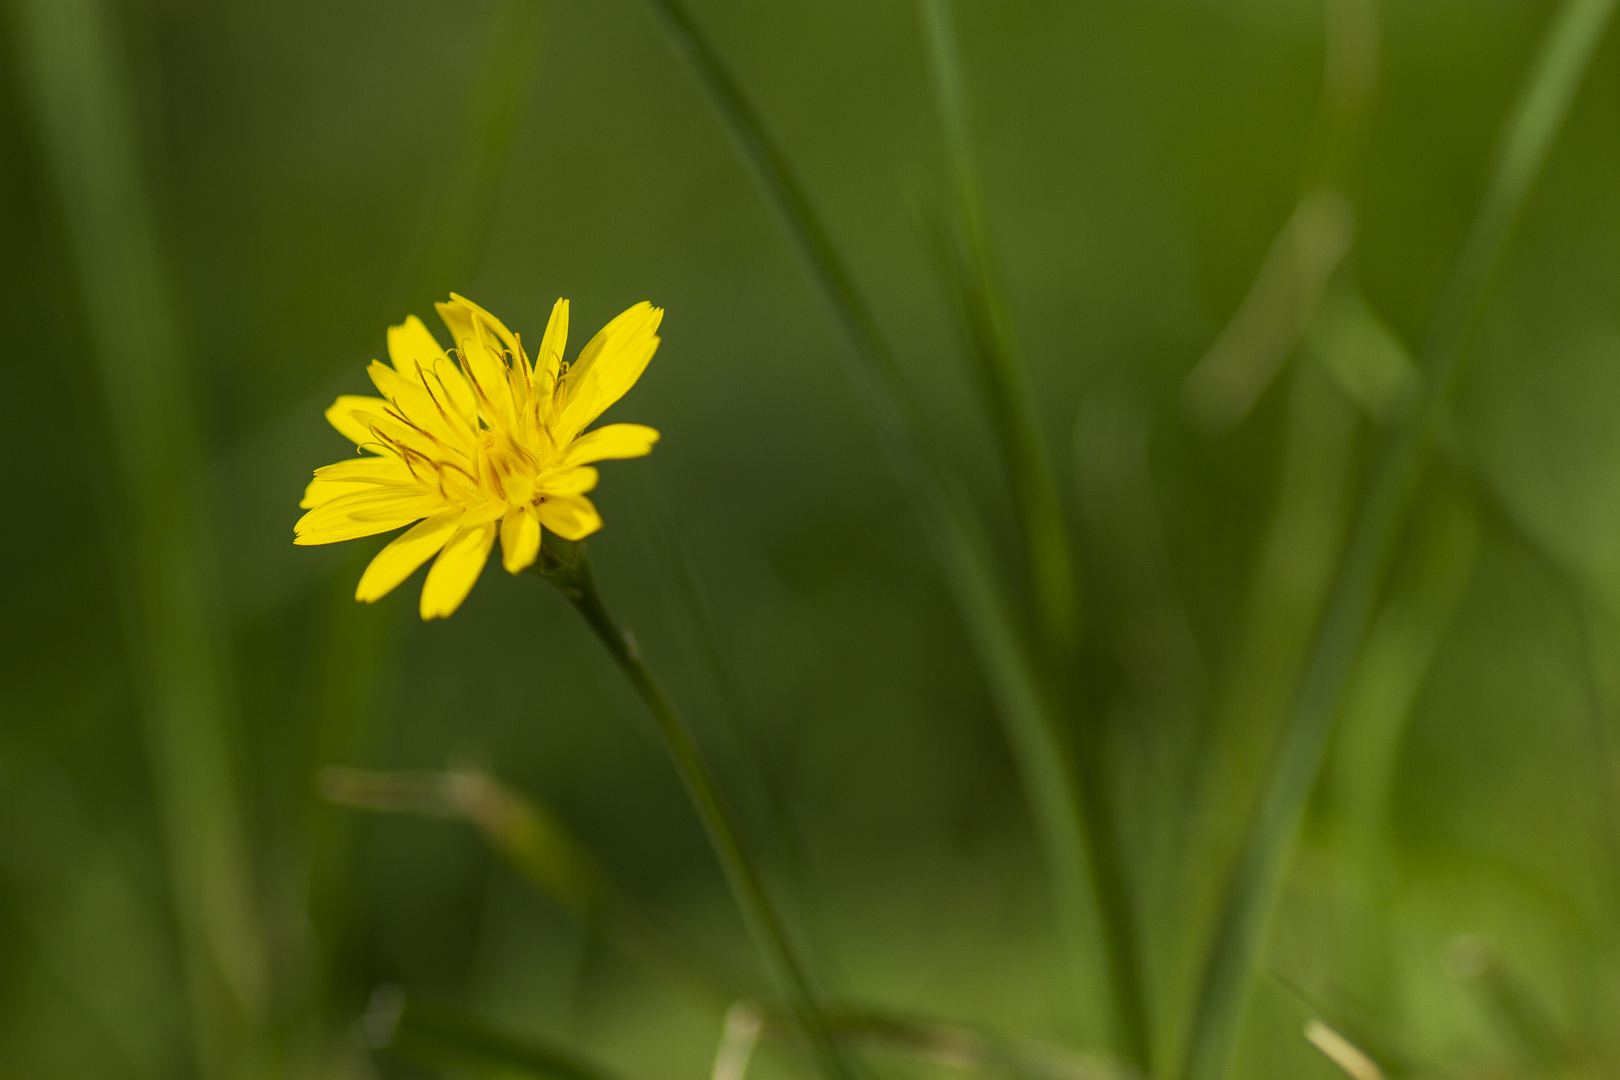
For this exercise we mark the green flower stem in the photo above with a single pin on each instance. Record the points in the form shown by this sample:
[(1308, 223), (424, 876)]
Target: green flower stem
[(567, 567), (1528, 135), (1089, 884)]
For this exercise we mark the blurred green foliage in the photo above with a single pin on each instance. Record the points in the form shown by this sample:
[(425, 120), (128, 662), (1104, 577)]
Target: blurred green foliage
[(309, 173)]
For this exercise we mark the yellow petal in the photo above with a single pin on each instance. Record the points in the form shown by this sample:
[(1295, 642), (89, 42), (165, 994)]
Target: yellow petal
[(479, 338), (417, 404), (412, 348), (549, 359), (366, 470), (320, 491), (575, 481), (410, 549), (456, 570), (351, 529), (340, 416), (447, 382), (612, 441), (507, 339), (572, 517), (366, 512), (411, 343), (520, 539), (609, 366), (346, 477)]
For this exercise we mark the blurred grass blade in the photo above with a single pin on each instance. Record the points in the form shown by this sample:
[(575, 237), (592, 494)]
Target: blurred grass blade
[(1086, 875), (1282, 302), (1363, 354), (536, 844), (492, 807), (1245, 359), (1348, 1018), (1517, 1009), (1284, 598), (1401, 645), (82, 104), (738, 1037), (453, 1039), (1538, 114), (1002, 363), (1342, 1052)]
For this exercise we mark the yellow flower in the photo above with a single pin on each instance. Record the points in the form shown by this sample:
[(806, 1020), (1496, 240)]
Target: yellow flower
[(490, 446)]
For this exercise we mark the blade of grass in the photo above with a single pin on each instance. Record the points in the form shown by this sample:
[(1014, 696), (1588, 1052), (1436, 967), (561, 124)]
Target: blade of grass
[(1401, 646), (1002, 362), (1286, 594), (1084, 866), (1281, 304), (174, 623), (1528, 134), (536, 844), (1596, 641)]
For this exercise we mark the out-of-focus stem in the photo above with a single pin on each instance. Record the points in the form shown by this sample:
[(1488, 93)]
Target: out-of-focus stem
[(81, 103), (1537, 116), (1003, 367), (1079, 846), (1283, 301), (568, 568), (1287, 589), (542, 850)]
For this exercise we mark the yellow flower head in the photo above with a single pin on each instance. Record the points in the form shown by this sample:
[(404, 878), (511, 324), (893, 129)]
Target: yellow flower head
[(490, 445)]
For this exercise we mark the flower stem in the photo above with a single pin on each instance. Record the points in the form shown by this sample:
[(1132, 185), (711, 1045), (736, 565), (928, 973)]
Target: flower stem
[(567, 567)]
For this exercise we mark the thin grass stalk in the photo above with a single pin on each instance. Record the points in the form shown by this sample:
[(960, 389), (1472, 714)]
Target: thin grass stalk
[(568, 568), (1088, 881), (1528, 134), (159, 532), (1002, 360)]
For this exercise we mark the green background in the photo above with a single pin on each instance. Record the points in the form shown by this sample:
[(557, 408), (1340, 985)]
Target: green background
[(297, 163)]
